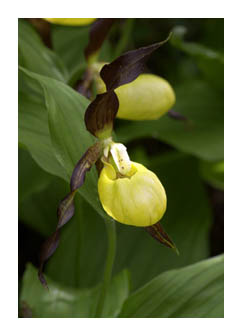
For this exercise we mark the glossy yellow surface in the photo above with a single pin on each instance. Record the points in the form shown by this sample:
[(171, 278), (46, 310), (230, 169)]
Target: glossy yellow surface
[(139, 199), (70, 22)]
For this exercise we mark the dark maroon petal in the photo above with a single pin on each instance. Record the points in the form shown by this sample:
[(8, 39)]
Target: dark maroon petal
[(84, 165), (101, 113), (127, 67), (98, 32), (158, 233)]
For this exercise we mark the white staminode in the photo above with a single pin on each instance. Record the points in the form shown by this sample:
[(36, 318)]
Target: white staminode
[(121, 158), (107, 145)]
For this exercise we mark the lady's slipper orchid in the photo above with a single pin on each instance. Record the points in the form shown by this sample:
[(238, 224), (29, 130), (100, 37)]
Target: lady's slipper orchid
[(129, 192)]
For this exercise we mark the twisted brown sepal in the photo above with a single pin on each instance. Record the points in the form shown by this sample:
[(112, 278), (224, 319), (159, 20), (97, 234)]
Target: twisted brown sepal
[(158, 233), (84, 165), (128, 66), (98, 32), (66, 207), (101, 113), (65, 212)]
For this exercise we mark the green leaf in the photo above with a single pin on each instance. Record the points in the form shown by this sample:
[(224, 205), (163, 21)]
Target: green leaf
[(64, 302), (34, 133), (39, 210), (31, 178), (66, 139), (203, 136), (209, 61), (69, 43), (193, 291), (213, 173), (35, 56), (187, 221)]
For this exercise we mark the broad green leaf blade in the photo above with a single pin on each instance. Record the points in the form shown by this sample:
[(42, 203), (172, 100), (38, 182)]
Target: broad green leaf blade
[(39, 210), (68, 138), (69, 43), (31, 178), (64, 302), (203, 136), (33, 125), (34, 134), (193, 291), (35, 56)]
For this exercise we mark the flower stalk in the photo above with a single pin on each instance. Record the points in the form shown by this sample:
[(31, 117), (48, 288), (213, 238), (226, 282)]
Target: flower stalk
[(111, 253)]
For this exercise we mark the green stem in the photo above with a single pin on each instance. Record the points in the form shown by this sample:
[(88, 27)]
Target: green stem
[(111, 234)]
